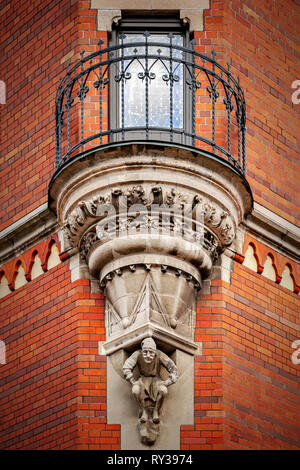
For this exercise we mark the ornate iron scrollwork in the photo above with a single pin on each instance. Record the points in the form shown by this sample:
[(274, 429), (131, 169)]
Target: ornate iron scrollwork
[(147, 60)]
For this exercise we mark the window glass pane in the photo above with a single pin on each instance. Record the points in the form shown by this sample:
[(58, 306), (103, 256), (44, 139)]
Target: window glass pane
[(158, 83)]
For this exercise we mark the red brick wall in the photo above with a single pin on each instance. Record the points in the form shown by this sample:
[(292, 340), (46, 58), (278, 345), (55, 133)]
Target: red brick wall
[(38, 38), (246, 385), (260, 39), (53, 385), (93, 431), (261, 383), (39, 380), (207, 432)]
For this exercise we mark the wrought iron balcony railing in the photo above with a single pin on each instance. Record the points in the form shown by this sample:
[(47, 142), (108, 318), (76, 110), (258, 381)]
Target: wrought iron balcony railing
[(150, 88)]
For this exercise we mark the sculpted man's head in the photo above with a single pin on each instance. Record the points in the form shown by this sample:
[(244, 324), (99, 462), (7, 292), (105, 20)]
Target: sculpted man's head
[(148, 350)]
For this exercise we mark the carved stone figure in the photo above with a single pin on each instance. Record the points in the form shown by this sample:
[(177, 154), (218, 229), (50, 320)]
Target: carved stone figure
[(149, 389)]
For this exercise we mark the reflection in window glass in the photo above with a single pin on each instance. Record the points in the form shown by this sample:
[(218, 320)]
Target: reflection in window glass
[(159, 89)]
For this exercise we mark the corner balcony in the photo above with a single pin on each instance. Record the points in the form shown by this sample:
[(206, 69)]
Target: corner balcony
[(150, 181), (155, 91)]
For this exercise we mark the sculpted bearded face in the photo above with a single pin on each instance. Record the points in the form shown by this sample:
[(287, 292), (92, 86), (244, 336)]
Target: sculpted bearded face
[(148, 354)]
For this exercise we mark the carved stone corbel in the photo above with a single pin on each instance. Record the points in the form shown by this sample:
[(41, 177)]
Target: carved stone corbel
[(149, 222), (141, 216)]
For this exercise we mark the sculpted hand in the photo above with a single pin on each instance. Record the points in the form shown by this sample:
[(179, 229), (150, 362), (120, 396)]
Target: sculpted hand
[(172, 379), (167, 382)]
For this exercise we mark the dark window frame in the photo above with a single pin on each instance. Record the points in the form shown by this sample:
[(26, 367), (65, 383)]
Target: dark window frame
[(156, 23)]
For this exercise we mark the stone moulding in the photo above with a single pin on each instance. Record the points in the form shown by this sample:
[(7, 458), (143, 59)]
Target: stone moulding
[(182, 208), (150, 224), (150, 220), (134, 337)]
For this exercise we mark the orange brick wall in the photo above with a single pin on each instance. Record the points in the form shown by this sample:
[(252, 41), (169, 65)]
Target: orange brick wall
[(260, 40), (261, 383), (39, 381), (38, 38), (53, 385), (207, 431), (246, 386)]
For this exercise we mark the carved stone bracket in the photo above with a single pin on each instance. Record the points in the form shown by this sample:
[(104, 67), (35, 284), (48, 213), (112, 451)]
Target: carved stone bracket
[(149, 221), (189, 215)]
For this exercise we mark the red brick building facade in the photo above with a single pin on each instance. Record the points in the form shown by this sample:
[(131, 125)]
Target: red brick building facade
[(53, 391)]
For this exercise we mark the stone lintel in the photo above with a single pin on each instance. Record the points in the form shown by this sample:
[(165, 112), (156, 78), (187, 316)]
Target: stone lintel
[(110, 11), (106, 18)]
